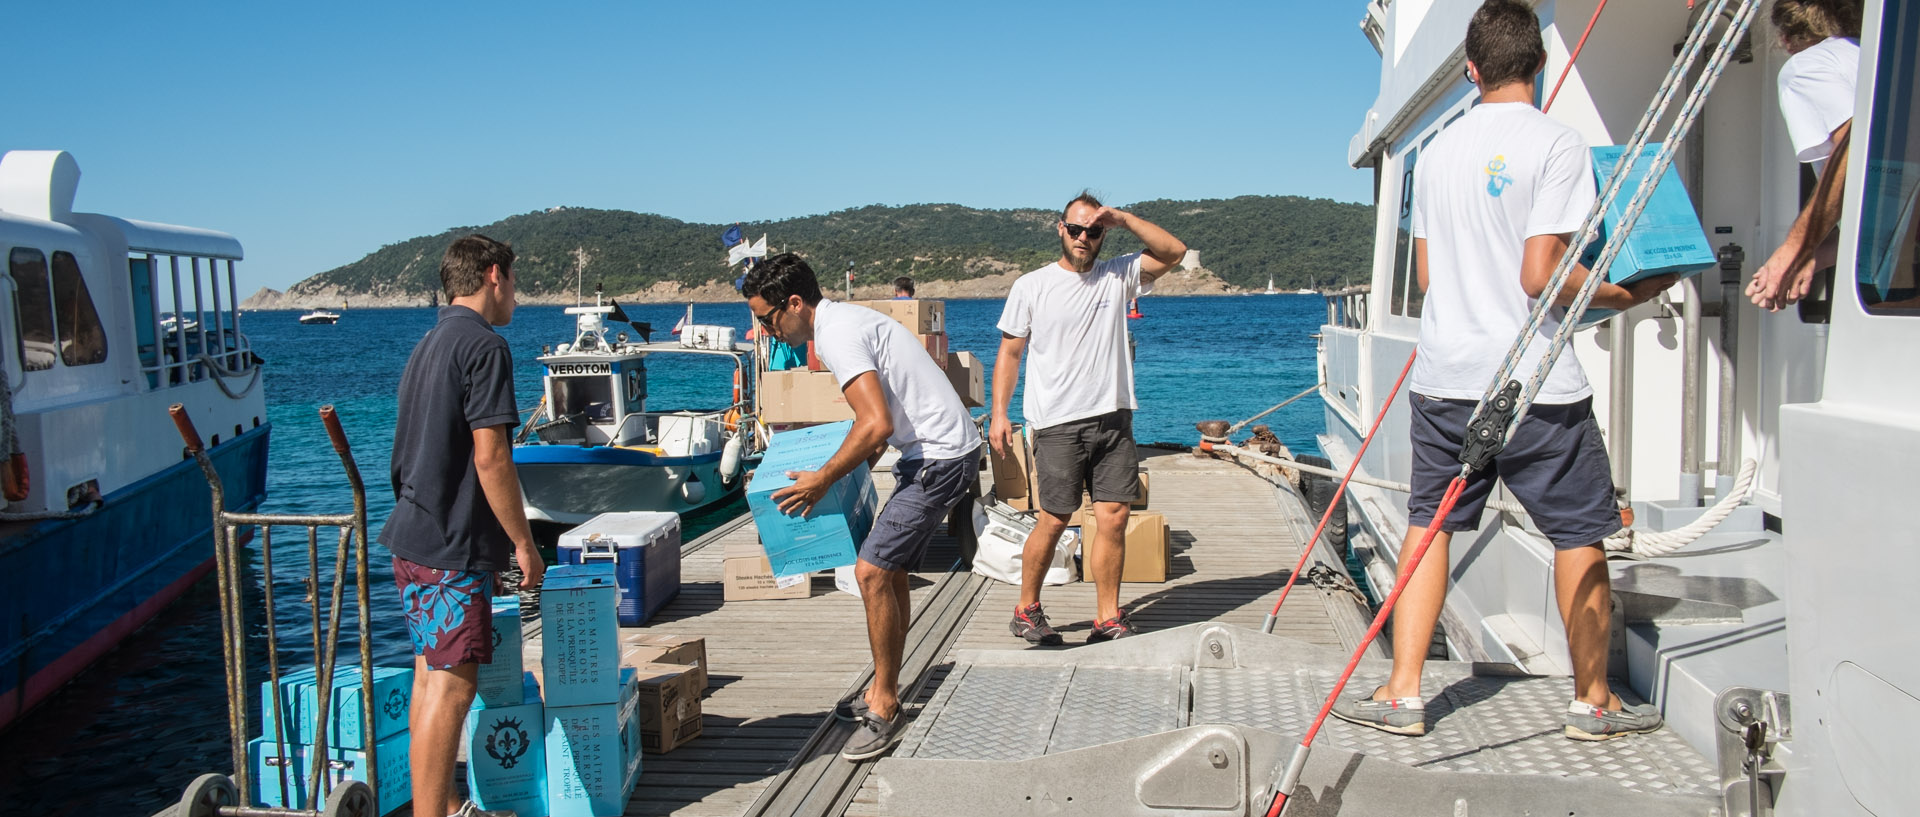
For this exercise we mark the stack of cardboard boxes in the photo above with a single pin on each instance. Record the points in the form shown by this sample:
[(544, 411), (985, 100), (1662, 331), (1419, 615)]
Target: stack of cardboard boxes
[(1148, 557), (812, 395), (282, 757)]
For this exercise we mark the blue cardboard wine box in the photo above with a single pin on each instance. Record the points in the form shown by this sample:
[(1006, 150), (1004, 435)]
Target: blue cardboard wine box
[(580, 635), (499, 683), (392, 789), (506, 754), (300, 701), (593, 754), (830, 536)]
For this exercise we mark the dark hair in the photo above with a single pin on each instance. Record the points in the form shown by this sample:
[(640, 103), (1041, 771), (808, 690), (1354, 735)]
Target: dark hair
[(1807, 22), (780, 276), (463, 270), (903, 284), (1504, 43), (1086, 198)]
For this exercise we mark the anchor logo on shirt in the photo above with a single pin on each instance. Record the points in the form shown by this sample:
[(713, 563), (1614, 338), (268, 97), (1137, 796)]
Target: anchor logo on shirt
[(1497, 178)]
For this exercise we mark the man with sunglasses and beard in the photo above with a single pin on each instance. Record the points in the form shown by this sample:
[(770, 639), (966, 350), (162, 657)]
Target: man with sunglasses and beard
[(1079, 400), (899, 397)]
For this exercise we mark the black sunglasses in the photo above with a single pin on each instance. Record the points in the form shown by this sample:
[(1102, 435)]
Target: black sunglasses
[(1093, 233), (767, 319)]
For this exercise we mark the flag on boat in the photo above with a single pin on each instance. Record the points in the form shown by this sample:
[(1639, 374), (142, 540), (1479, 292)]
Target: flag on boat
[(731, 237), (684, 320), (743, 251)]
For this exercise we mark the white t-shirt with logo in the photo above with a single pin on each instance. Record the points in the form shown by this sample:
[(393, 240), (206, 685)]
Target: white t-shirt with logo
[(929, 421), (1502, 174), (1816, 95), (1076, 330)]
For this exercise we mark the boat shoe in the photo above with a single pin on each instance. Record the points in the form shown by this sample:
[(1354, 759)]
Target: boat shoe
[(1401, 716), (1588, 722), (468, 809), (1030, 623), (874, 735)]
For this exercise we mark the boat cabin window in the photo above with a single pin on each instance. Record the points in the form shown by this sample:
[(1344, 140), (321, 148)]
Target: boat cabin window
[(33, 308), (1406, 293), (590, 397), (83, 341), (1889, 254)]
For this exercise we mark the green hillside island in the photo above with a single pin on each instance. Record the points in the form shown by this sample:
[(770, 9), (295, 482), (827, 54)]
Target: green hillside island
[(1298, 241)]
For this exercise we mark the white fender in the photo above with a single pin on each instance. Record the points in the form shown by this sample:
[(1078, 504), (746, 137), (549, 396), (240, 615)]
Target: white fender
[(730, 460), (693, 490)]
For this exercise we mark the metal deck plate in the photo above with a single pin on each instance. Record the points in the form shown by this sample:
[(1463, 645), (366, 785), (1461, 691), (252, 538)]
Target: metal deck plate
[(1041, 705)]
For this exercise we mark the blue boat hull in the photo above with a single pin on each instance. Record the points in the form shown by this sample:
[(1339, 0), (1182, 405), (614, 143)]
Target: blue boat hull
[(77, 587)]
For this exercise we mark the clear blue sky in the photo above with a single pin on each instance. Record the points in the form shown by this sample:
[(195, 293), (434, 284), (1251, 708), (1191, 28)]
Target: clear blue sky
[(317, 132)]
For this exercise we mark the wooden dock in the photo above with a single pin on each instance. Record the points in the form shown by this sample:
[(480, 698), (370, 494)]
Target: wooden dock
[(777, 667)]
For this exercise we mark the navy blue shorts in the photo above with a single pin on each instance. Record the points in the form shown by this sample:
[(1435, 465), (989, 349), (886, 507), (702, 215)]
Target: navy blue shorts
[(1556, 465), (924, 493), (1095, 455)]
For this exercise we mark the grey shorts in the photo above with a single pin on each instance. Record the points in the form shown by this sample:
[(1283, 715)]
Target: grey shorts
[(924, 493), (1095, 455), (1556, 465)]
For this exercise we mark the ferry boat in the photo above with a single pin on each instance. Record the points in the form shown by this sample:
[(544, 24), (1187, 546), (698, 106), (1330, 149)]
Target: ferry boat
[(1699, 394), (593, 447), (321, 316), (105, 522)]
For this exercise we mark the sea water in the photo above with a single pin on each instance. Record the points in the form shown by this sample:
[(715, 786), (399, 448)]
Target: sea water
[(130, 733)]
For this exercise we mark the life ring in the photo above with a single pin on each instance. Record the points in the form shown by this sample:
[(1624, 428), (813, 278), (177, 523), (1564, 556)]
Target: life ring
[(736, 385), (17, 481)]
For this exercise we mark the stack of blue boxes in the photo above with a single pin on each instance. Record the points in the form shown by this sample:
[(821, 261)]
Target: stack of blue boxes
[(830, 536), (506, 754), (282, 757), (592, 703)]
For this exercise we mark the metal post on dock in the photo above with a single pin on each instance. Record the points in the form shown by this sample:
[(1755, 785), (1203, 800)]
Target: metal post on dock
[(1690, 429)]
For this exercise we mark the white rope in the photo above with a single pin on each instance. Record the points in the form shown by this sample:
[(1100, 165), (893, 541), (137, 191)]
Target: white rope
[(1650, 544)]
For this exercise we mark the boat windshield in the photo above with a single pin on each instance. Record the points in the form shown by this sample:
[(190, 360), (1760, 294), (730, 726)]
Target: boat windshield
[(1889, 262), (590, 397)]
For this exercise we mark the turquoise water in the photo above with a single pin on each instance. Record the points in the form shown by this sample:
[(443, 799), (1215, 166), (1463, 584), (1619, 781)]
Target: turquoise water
[(127, 735)]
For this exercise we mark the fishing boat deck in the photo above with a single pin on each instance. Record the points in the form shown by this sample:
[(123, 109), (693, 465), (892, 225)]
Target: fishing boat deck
[(770, 744)]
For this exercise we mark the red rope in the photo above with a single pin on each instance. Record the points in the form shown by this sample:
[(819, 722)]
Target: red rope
[(1411, 563), (1576, 54), (1307, 549)]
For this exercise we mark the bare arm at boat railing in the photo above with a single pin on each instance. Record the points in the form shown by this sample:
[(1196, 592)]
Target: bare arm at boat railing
[(872, 425), (1006, 376), (493, 463), (1812, 243), (1163, 251)]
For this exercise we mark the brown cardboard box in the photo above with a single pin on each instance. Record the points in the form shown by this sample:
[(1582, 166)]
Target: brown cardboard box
[(1013, 474), (669, 707), (747, 575), (968, 376), (639, 648), (921, 317), (800, 396), (1148, 559), (936, 348)]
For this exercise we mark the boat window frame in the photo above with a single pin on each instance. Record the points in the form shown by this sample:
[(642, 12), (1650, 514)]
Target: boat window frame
[(19, 296), (82, 338), (1889, 221)]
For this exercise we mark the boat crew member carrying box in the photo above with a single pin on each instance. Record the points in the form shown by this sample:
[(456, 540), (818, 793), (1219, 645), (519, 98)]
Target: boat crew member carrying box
[(1816, 98), (1079, 400), (1496, 199), (456, 512), (899, 397)]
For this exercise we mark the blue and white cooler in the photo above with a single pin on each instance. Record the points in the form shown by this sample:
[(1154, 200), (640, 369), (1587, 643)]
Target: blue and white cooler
[(643, 547)]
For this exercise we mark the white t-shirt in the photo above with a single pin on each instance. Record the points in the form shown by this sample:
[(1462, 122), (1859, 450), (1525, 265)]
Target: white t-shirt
[(1816, 95), (929, 422), (1076, 326), (1502, 174)]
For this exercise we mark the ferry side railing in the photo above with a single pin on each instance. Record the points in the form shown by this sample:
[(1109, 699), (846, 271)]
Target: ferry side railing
[(210, 796)]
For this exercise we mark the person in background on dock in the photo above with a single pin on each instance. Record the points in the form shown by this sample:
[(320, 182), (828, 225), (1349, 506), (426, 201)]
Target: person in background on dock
[(903, 288), (456, 511), (899, 397), (1496, 198), (1816, 98), (1079, 400)]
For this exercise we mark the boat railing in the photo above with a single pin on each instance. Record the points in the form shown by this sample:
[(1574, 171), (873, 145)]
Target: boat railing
[(200, 337), (1347, 308)]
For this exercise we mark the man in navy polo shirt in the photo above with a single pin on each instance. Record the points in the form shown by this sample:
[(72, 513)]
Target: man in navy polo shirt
[(456, 505)]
